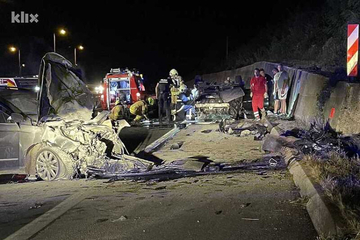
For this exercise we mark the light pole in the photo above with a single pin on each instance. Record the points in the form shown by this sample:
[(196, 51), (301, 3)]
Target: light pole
[(14, 49), (80, 48), (61, 32)]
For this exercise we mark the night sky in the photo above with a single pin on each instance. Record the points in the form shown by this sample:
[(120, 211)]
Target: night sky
[(152, 36)]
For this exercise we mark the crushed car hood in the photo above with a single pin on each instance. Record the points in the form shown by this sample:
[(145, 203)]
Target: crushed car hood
[(62, 92)]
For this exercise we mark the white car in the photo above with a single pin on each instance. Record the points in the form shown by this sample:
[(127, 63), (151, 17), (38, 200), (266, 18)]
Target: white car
[(52, 135)]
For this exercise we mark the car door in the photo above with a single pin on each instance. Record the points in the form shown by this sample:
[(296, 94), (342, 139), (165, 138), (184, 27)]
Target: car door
[(9, 141)]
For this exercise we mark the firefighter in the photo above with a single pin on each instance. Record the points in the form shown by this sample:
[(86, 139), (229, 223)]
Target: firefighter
[(140, 108), (176, 80), (118, 111), (186, 102), (162, 92)]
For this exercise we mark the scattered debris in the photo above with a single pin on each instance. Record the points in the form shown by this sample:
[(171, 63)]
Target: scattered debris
[(37, 205), (250, 219), (206, 131), (243, 133), (120, 219), (13, 178), (245, 205), (176, 146), (244, 128), (273, 162), (321, 139), (261, 173), (101, 220)]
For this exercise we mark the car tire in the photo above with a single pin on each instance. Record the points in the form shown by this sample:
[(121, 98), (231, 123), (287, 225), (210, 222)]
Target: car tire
[(52, 164), (236, 108)]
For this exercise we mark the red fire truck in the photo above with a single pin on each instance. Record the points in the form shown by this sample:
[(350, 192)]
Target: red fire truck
[(19, 82), (121, 84)]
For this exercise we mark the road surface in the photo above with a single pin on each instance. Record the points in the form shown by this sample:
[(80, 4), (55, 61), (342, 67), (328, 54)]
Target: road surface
[(253, 204)]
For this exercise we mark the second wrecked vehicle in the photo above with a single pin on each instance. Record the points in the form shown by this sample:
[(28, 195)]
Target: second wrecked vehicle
[(220, 101), (59, 139)]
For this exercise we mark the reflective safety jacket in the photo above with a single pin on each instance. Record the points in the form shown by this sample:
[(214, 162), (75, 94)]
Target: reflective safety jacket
[(139, 108)]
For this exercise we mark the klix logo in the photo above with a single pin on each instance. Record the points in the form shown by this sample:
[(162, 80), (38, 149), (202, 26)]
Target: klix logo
[(23, 17)]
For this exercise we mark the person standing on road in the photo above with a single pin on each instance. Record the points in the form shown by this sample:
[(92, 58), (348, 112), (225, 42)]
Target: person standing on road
[(269, 84), (162, 92), (283, 87), (258, 89), (276, 77)]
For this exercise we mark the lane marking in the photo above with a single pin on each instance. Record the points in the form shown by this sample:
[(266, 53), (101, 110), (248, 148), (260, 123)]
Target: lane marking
[(47, 218)]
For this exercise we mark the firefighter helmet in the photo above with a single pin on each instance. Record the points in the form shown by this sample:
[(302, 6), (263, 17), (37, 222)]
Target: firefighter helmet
[(151, 101), (173, 73), (183, 88)]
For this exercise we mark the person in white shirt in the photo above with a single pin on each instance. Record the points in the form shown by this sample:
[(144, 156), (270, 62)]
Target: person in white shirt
[(276, 77)]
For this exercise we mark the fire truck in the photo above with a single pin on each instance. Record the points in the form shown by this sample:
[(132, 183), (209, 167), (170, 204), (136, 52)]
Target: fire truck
[(121, 84), (19, 82)]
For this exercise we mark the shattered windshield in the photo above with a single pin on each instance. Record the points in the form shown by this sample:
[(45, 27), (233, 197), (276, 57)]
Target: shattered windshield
[(25, 101)]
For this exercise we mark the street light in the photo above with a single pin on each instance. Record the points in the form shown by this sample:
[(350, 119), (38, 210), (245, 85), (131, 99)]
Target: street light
[(80, 48), (61, 32), (13, 50)]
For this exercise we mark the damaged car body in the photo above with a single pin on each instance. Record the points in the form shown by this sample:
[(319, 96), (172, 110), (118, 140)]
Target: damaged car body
[(59, 139), (222, 101)]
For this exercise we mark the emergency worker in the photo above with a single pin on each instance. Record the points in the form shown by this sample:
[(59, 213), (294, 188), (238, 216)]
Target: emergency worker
[(176, 80), (186, 101), (140, 109), (258, 89), (162, 92), (118, 111)]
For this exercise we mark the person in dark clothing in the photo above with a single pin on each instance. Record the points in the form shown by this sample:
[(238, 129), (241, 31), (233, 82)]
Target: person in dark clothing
[(269, 83), (162, 92)]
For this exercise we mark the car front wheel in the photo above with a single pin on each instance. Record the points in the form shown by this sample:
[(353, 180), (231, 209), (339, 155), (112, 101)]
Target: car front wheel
[(52, 164)]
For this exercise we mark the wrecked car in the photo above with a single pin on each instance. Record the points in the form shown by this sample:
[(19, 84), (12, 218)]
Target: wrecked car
[(52, 134), (220, 101)]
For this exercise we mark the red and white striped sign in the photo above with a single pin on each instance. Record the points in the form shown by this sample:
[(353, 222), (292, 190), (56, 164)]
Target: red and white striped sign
[(352, 49)]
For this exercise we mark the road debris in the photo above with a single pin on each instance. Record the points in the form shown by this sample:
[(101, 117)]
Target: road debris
[(120, 219), (206, 131), (244, 128), (321, 139), (245, 205), (272, 162), (176, 146), (250, 219), (37, 205)]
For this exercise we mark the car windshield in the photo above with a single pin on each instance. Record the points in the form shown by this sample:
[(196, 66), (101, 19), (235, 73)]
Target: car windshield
[(25, 101)]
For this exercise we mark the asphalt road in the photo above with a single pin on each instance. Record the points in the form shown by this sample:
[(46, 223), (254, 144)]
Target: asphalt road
[(242, 205), (231, 206)]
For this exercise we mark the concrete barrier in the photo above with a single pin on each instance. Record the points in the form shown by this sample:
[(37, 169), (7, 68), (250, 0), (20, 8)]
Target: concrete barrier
[(345, 99)]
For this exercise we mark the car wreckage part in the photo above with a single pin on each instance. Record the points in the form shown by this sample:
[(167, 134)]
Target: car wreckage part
[(52, 164)]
